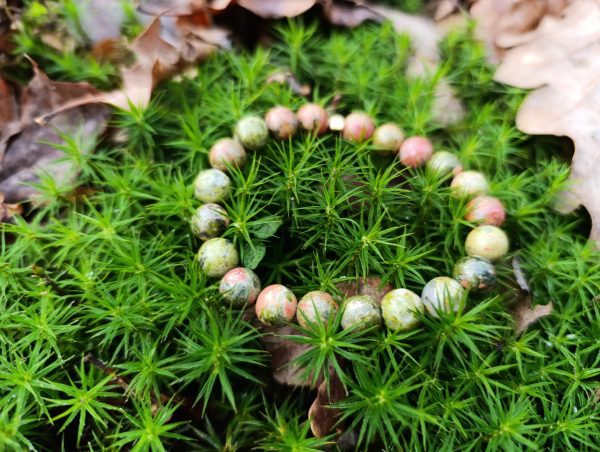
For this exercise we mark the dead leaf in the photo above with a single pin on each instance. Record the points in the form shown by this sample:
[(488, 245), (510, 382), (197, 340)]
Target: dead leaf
[(101, 19), (322, 416), (370, 285), (524, 313), (561, 61), (283, 352), (287, 78), (9, 210), (277, 9), (28, 152)]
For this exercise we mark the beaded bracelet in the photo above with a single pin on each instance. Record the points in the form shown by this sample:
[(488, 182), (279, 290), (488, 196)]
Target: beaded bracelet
[(276, 304)]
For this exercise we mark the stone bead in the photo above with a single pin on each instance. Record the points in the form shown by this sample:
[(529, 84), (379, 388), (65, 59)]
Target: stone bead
[(442, 294), (276, 305), (212, 186), (281, 122), (336, 123), (469, 184), (358, 127), (209, 221), (313, 118), (240, 286), (486, 210), (487, 241), (387, 139), (217, 257), (227, 153), (314, 305), (443, 163), (362, 312), (475, 273), (399, 309), (252, 132), (415, 151)]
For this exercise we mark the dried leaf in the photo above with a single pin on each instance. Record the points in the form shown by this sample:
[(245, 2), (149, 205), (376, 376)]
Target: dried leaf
[(101, 19), (28, 153), (524, 313), (8, 210), (562, 60), (322, 417), (286, 77), (370, 285), (9, 114)]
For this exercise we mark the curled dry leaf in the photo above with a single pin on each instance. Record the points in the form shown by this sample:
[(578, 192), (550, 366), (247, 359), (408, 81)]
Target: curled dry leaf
[(322, 416), (277, 9), (24, 148), (370, 285), (287, 78), (524, 313), (561, 61)]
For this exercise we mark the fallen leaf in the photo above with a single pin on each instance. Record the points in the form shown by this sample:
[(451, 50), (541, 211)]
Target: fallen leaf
[(9, 114), (444, 9), (524, 314), (322, 416), (561, 61), (277, 9), (370, 285), (287, 78), (28, 153), (8, 210), (101, 19)]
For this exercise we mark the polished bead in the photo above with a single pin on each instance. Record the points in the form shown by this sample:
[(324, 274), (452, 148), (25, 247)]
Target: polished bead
[(212, 186), (487, 241), (217, 257), (314, 305), (313, 118), (209, 221), (358, 127), (469, 184), (387, 139), (442, 294), (443, 163), (415, 151), (400, 308), (281, 122), (240, 286), (252, 132), (486, 210), (361, 312), (227, 153), (475, 273), (276, 305)]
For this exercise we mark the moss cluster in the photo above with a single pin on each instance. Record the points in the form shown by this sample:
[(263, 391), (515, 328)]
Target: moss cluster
[(113, 277)]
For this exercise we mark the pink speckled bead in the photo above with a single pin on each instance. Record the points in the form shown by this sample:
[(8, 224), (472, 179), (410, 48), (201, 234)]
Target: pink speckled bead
[(314, 305), (240, 286), (281, 122), (313, 118), (227, 152), (486, 210), (358, 127), (276, 305), (415, 151)]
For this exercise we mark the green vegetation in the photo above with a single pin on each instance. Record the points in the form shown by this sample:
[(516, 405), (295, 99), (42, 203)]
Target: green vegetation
[(114, 275)]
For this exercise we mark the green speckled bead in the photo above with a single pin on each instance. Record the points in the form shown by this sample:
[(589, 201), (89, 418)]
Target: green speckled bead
[(240, 286), (475, 273), (443, 163), (211, 186), (469, 184), (276, 305), (399, 309), (387, 139), (442, 294), (315, 304), (362, 312), (217, 257), (487, 241), (252, 132), (209, 221)]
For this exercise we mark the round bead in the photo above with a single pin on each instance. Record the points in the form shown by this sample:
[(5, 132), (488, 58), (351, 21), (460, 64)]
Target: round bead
[(358, 127), (415, 151), (313, 118), (240, 286), (252, 132), (209, 221), (314, 305), (475, 273), (486, 210), (276, 305), (443, 163), (442, 294), (212, 185), (282, 122), (336, 123), (487, 241), (225, 153), (469, 183), (217, 257), (399, 309), (362, 312), (387, 139)]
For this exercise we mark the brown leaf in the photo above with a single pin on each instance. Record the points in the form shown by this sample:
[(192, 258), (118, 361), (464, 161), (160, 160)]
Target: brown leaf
[(101, 19), (28, 153), (8, 210), (524, 314), (286, 77), (349, 13), (561, 61), (283, 352), (322, 417), (277, 9), (9, 114), (370, 285)]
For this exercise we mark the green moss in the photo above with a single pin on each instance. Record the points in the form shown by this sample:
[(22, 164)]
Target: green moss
[(116, 277)]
